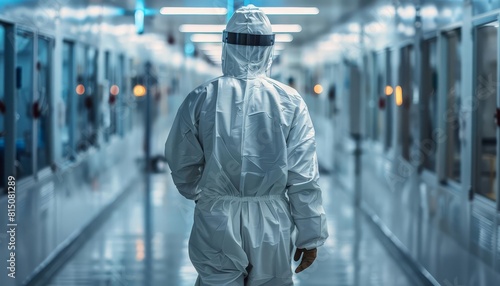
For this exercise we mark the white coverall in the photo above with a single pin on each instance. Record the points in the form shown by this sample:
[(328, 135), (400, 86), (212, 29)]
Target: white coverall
[(243, 146)]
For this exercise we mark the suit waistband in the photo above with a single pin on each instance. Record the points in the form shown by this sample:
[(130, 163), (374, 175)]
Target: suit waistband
[(250, 199)]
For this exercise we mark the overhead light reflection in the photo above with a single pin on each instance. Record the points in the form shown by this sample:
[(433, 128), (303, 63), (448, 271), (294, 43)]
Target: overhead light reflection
[(193, 11), (406, 12), (80, 89), (206, 38), (388, 90), (195, 28), (286, 28), (279, 47), (429, 12), (139, 90), (200, 28), (407, 30), (318, 89), (283, 38), (353, 27), (139, 21), (399, 96), (375, 27), (92, 11), (387, 11), (139, 250), (206, 47), (290, 10), (114, 90)]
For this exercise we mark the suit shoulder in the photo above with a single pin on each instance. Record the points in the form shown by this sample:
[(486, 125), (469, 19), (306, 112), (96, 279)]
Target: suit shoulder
[(290, 91), (202, 88)]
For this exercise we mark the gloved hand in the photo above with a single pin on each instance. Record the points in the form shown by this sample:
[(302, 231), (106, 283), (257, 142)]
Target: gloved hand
[(307, 259)]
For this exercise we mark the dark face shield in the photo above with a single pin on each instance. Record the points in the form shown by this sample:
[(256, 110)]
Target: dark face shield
[(247, 39), (246, 55)]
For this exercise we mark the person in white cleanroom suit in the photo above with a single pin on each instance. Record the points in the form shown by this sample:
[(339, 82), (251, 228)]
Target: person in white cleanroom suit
[(242, 146)]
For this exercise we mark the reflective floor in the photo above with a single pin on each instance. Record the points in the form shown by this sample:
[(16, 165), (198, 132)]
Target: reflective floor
[(116, 255)]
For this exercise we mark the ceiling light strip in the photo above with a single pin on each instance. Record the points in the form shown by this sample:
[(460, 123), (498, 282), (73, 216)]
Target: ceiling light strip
[(290, 10), (196, 28), (193, 11)]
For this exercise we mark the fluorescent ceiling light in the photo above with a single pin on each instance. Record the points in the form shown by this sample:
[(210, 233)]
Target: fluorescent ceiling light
[(407, 12), (387, 11), (196, 28), (193, 28), (217, 38), (375, 27), (157, 48), (279, 47), (206, 47), (353, 27), (284, 38), (193, 11), (290, 10), (213, 50), (206, 38), (429, 11), (287, 28), (446, 13), (92, 11)]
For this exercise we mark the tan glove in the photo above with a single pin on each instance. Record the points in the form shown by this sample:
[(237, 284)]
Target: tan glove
[(307, 259)]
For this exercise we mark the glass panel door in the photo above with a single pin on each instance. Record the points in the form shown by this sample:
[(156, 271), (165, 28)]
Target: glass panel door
[(2, 105), (107, 117), (87, 99), (121, 92), (389, 91), (428, 97), (68, 92), (403, 98), (24, 119), (43, 67), (91, 98), (453, 144), (485, 95), (380, 97)]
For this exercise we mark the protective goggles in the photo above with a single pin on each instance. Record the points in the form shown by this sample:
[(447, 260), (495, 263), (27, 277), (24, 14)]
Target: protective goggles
[(247, 39)]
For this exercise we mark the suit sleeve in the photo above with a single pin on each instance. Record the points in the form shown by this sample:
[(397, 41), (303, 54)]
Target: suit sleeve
[(303, 189), (183, 150)]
